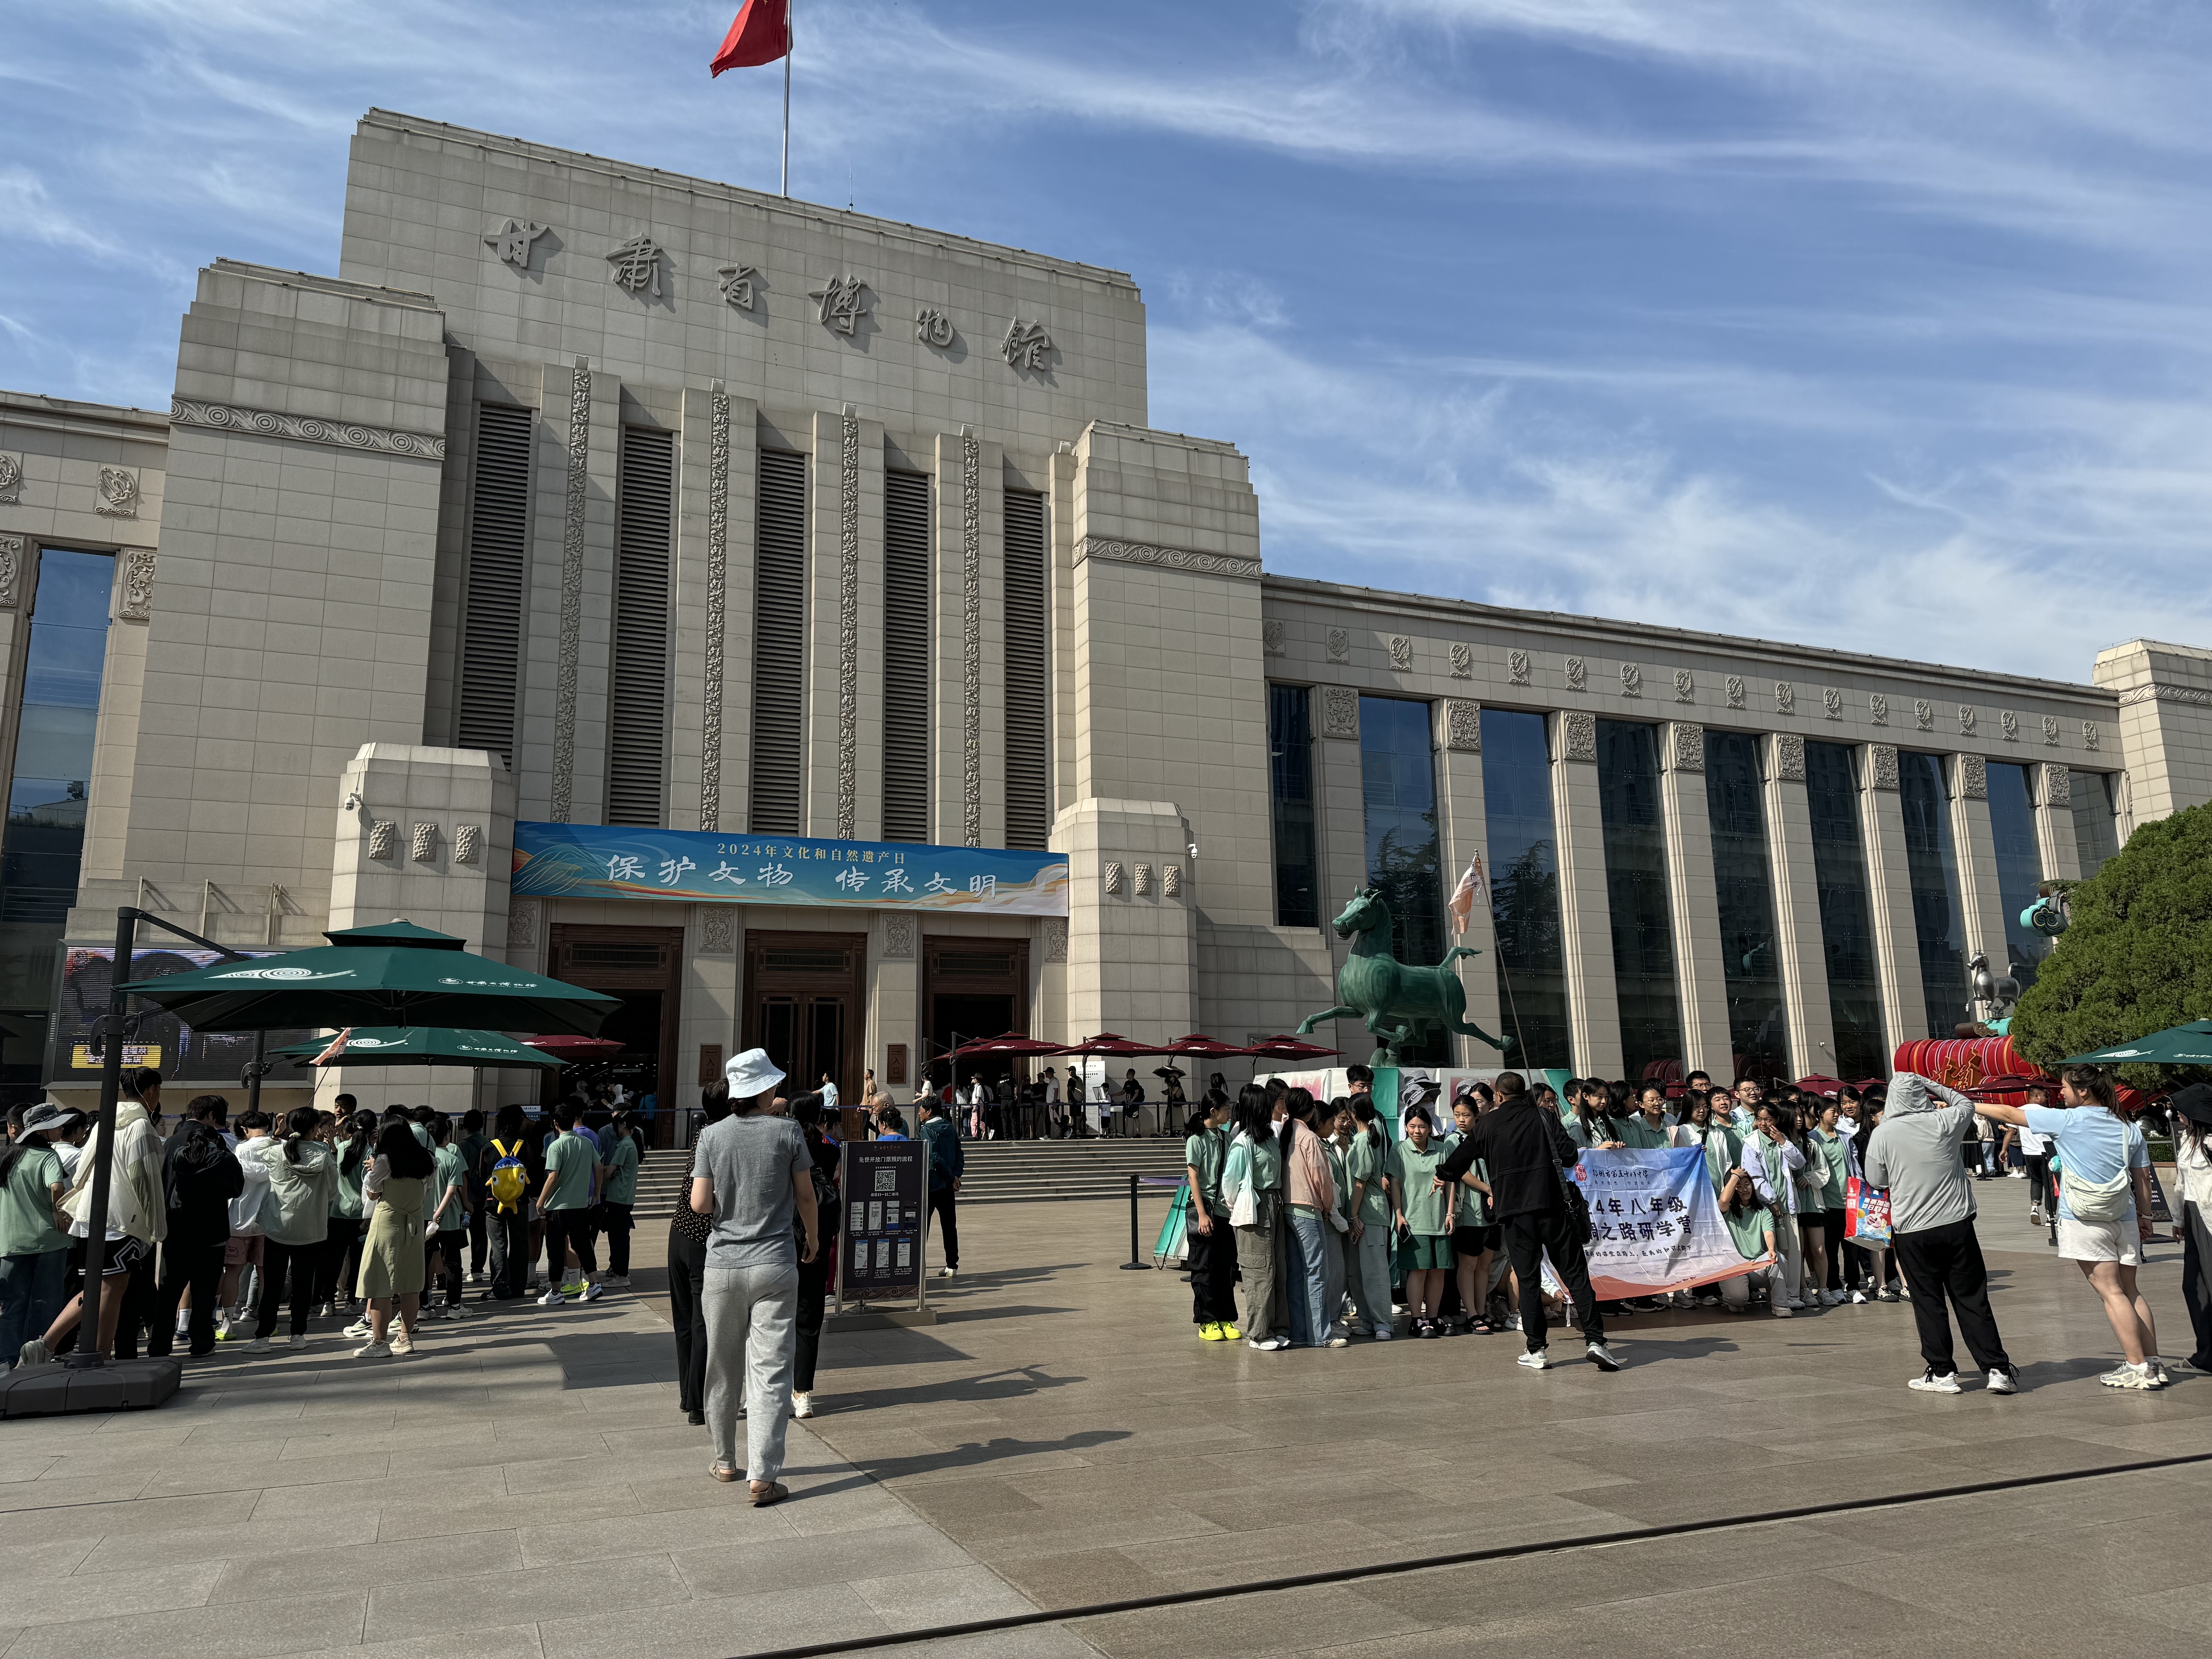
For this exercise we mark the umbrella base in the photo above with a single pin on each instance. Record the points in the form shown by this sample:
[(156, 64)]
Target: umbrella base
[(60, 1389)]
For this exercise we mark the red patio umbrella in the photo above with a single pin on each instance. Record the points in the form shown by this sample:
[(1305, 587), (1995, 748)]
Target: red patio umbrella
[(572, 1048), (1287, 1048), (1818, 1084), (1112, 1045), (1200, 1046), (1013, 1043)]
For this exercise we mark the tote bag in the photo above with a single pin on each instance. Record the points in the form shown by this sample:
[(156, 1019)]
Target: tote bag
[(1866, 1212)]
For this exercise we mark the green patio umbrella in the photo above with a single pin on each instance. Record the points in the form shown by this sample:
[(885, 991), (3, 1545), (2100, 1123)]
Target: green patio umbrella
[(2177, 1045), (421, 1045), (394, 974)]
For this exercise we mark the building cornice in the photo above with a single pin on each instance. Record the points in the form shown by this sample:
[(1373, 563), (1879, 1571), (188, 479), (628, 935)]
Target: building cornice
[(30, 408)]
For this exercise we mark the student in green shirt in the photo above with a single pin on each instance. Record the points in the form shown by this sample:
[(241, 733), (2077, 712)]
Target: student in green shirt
[(1253, 1163), (572, 1165), (1474, 1236), (445, 1218), (1649, 1127), (1371, 1166), (1210, 1243), (471, 1144), (620, 1171), (34, 1249), (1424, 1215)]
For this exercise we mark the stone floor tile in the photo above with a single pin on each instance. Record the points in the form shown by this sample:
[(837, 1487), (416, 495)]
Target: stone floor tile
[(449, 1602), (941, 1595), (280, 1625)]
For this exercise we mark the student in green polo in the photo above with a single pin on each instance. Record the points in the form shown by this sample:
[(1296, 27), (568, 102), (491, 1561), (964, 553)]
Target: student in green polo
[(1425, 1250), (1371, 1168), (1210, 1243), (620, 1196), (1474, 1236), (572, 1165)]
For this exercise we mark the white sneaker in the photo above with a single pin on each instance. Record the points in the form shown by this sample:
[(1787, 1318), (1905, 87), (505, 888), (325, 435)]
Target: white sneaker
[(359, 1328), (594, 1291), (2125, 1376), (401, 1342), (2003, 1382), (1929, 1383), (552, 1299), (297, 1345), (1266, 1345), (33, 1353), (1539, 1360), (2161, 1376), (260, 1345), (455, 1310), (374, 1351), (1602, 1357), (1339, 1342), (1780, 1310), (802, 1404), (1858, 1297), (948, 1273)]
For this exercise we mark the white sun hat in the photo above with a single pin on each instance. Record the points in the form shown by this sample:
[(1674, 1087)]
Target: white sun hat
[(751, 1074)]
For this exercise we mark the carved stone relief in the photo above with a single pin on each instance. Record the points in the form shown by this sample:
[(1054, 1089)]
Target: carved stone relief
[(2057, 784), (1789, 756), (848, 629), (1170, 881), (119, 492), (1785, 697), (1517, 667), (468, 844), (572, 591), (1340, 712), (11, 570), (1632, 680), (718, 929), (1578, 736), (2088, 734), (1055, 938), (1965, 718), (1027, 345), (422, 843), (1339, 645), (1686, 686), (1733, 686), (307, 429), (1577, 674), (2008, 724), (11, 479), (522, 924), (137, 603), (1274, 638), (740, 285), (637, 264), (1831, 702), (1878, 705), (511, 238), (718, 599), (1687, 746), (842, 302), (899, 936), (1462, 726), (1881, 765), (1401, 654), (1143, 878), (2050, 730), (1972, 773), (1924, 714), (932, 327), (383, 839), (1462, 660), (1166, 558), (971, 641), (1113, 875)]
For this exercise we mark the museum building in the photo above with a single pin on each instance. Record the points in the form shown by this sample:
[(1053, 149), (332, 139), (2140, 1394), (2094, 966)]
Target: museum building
[(785, 620)]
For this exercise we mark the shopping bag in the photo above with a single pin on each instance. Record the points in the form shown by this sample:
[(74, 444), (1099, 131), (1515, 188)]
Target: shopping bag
[(1866, 1213)]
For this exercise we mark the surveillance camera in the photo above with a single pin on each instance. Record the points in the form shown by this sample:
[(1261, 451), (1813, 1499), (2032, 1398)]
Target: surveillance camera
[(353, 801), (1194, 849)]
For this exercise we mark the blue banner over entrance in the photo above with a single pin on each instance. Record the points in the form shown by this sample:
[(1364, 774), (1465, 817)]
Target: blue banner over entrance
[(694, 866)]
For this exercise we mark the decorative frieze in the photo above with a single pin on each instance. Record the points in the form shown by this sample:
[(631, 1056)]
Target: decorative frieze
[(2057, 784), (2050, 731), (1736, 689), (1055, 938), (718, 599), (307, 429), (383, 839), (1965, 720), (1577, 674), (572, 591), (1686, 686), (1972, 777), (1112, 876), (1789, 757), (11, 479), (1924, 714), (2196, 694), (1831, 702), (1517, 667), (718, 929), (971, 641), (1686, 746), (2090, 734), (468, 843), (134, 601), (1578, 736), (1143, 873), (1878, 708), (1881, 765), (1166, 558), (1462, 723), (1274, 638), (1170, 881), (1632, 680), (119, 492), (1340, 712), (2008, 724), (1785, 697), (422, 843), (900, 936), (522, 924), (848, 629), (1461, 655), (1339, 645), (1401, 654), (11, 571)]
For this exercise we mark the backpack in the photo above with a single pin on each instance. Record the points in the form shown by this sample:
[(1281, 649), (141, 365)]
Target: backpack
[(508, 1180)]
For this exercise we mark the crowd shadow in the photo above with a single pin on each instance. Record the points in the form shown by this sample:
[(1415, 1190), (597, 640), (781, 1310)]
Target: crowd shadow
[(978, 1453)]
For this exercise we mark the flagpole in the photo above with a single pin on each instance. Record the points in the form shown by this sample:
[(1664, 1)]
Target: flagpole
[(789, 6)]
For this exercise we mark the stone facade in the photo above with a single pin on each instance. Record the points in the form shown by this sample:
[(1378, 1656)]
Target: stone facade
[(298, 542)]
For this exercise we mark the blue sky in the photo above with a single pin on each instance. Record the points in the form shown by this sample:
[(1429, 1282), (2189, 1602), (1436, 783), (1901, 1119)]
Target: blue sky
[(1879, 325)]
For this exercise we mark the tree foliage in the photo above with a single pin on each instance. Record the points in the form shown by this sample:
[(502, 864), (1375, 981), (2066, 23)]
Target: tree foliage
[(2137, 957)]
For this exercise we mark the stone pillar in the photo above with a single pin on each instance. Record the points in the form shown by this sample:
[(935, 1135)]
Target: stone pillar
[(844, 643), (895, 1011), (2053, 784), (1798, 938), (2164, 720), (710, 1016), (1132, 937), (430, 841), (1463, 831), (1889, 894), (710, 748), (1973, 835), (1585, 907), (1700, 972), (968, 723)]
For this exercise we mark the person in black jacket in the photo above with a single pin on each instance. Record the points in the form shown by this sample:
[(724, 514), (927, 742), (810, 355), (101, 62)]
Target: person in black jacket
[(199, 1177), (1524, 1148)]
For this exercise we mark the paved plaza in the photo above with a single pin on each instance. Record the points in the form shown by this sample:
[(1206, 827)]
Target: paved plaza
[(525, 1487)]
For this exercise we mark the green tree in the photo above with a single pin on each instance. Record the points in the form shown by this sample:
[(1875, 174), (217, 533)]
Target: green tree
[(2137, 957)]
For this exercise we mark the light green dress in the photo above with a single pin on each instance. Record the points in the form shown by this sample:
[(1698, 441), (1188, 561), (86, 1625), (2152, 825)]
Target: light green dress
[(391, 1255)]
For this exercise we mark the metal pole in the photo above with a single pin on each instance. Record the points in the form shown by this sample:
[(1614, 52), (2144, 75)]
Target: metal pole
[(253, 1076), (1136, 1255), (789, 6), (87, 1355)]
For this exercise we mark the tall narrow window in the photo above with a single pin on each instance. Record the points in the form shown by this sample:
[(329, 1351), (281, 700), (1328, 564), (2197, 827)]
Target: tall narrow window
[(780, 645), (1931, 869), (1405, 858), (1524, 890), (499, 538), (637, 688), (1290, 794), (1636, 898), (906, 656), (1758, 1017), (44, 839), (2020, 865), (2096, 820), (1029, 759), (1832, 791)]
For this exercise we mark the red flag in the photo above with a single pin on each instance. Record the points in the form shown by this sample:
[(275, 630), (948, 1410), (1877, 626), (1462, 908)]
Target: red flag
[(761, 35)]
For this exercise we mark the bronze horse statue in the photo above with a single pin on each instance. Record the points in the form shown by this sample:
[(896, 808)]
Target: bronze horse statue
[(1399, 1003)]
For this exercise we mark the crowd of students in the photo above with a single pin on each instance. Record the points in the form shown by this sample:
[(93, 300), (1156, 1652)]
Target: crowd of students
[(367, 1219), (1333, 1227)]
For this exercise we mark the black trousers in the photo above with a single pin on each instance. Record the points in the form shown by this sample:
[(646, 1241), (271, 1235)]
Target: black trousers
[(942, 1205), (510, 1251), (2195, 1231), (1211, 1259), (1832, 1246), (566, 1231), (276, 1260), (687, 1312), (479, 1240), (1946, 1262), (1528, 1238), (198, 1267), (340, 1245), (444, 1245), (615, 1221), (813, 1285)]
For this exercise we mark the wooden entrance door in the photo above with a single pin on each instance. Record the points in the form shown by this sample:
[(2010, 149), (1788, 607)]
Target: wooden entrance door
[(644, 967), (806, 1004), (974, 987)]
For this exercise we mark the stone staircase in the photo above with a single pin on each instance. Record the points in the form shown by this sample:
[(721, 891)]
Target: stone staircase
[(999, 1171)]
